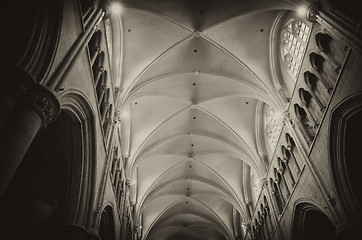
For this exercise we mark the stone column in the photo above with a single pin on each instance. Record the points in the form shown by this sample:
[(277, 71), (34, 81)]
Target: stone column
[(325, 83), (315, 97), (283, 182), (305, 106), (302, 131), (114, 168), (316, 15), (279, 191), (118, 172), (125, 213), (288, 170), (34, 112), (16, 83), (56, 80), (118, 192)]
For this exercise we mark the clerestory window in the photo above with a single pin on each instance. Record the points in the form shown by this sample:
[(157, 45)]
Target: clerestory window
[(273, 125), (294, 39)]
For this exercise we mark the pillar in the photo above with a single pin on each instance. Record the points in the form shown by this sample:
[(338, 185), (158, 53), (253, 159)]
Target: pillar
[(16, 82), (314, 14), (56, 80), (38, 107), (315, 97)]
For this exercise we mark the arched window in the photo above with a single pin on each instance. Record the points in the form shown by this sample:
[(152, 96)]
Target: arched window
[(255, 186), (273, 125), (294, 40)]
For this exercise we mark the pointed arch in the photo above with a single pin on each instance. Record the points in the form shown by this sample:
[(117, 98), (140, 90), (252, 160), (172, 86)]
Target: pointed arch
[(345, 129), (310, 222)]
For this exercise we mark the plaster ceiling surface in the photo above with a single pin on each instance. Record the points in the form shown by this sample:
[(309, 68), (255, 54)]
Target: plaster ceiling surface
[(193, 74)]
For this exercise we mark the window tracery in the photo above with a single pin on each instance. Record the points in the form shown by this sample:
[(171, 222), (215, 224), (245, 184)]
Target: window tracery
[(294, 39), (273, 125), (255, 185)]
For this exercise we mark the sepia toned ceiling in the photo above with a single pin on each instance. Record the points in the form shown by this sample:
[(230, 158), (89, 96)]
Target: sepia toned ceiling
[(193, 75)]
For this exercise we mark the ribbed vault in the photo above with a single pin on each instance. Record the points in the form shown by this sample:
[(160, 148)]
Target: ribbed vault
[(191, 80)]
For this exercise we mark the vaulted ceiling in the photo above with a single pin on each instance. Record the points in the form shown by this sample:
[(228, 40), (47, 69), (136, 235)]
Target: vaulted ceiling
[(193, 76)]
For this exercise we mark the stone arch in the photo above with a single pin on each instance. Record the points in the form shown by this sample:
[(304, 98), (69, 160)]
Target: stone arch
[(345, 130), (53, 186), (311, 223), (78, 108), (107, 224), (33, 49)]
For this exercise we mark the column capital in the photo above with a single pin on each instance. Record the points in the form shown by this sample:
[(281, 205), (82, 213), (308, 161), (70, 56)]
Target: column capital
[(264, 183), (100, 69), (97, 49), (246, 226), (105, 6), (262, 155), (43, 101), (286, 116), (27, 92), (312, 12), (128, 183), (117, 116), (298, 117), (105, 105), (103, 87), (287, 119), (284, 159), (18, 82)]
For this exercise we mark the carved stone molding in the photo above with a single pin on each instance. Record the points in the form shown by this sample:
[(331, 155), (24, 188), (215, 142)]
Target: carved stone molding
[(97, 49), (128, 183), (105, 6), (100, 69), (117, 116), (312, 12), (43, 101), (264, 183), (102, 88), (26, 91), (17, 82), (286, 116), (246, 226), (105, 106), (197, 34)]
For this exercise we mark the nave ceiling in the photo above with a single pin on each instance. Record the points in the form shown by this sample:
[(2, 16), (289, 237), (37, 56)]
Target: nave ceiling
[(193, 78)]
